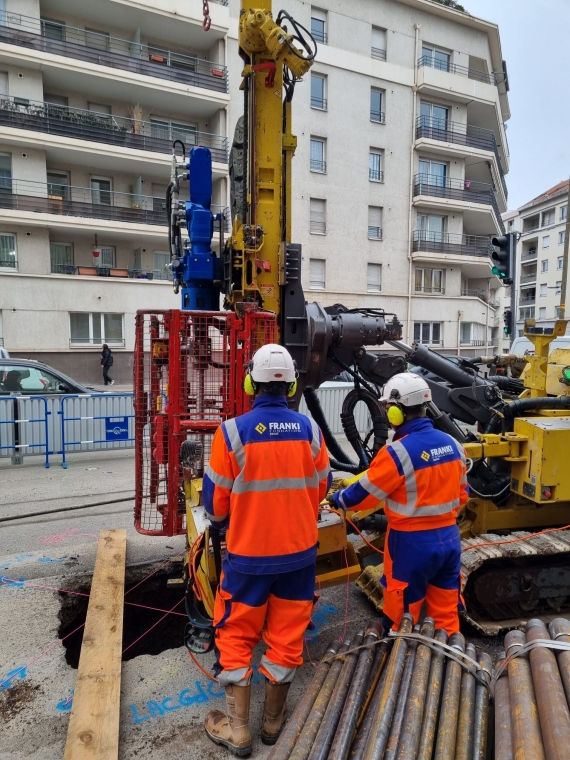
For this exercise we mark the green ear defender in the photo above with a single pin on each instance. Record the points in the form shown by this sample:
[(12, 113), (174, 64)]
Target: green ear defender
[(395, 415), (249, 385)]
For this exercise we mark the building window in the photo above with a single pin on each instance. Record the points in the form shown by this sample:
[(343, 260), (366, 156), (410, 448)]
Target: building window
[(560, 262), (435, 58), (160, 262), (432, 172), (434, 116), (318, 216), (378, 43), (374, 278), (544, 265), (542, 312), (317, 269), (55, 30), (375, 222), (101, 188), (558, 287), (6, 172), (96, 39), (561, 237), (429, 281), (428, 332), (61, 256), (318, 159), (58, 185), (548, 217), (472, 334), (108, 256), (8, 253), (95, 328), (563, 213), (376, 100), (558, 312), (166, 129), (319, 92), (543, 290), (431, 228), (375, 172), (319, 25)]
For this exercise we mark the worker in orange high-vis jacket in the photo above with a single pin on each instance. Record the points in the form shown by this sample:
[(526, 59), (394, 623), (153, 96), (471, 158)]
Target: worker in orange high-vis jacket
[(422, 478), (268, 472)]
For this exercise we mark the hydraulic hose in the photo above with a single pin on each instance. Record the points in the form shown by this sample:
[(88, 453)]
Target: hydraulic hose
[(508, 384), (316, 410), (379, 423), (523, 405), (354, 469)]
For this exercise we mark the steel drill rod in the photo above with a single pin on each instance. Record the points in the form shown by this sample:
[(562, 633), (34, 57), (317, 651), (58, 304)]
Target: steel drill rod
[(503, 729), (410, 736), (290, 733), (427, 735), (560, 631), (399, 712), (380, 728), (525, 726), (447, 729), (356, 694), (466, 720), (380, 659), (307, 736), (482, 708), (329, 723), (359, 743), (550, 698)]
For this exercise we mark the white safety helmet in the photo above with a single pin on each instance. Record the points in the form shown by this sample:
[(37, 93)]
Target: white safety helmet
[(272, 364), (406, 389)]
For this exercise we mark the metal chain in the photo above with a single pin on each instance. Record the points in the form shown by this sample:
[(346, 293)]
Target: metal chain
[(207, 22)]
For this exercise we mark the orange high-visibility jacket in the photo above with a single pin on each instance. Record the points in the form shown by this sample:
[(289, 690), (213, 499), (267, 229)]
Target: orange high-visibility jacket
[(421, 476), (268, 472)]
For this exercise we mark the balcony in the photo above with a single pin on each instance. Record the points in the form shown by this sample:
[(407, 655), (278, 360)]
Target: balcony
[(68, 200), (378, 116), (452, 68), (375, 175), (318, 166), (432, 291), (103, 50), (445, 242), (474, 294), (432, 128), (320, 104), (527, 301), (530, 255), (378, 54), (11, 263), (459, 190), (87, 271), (526, 278), (79, 124)]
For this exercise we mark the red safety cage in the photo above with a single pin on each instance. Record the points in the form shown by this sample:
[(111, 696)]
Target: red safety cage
[(188, 378)]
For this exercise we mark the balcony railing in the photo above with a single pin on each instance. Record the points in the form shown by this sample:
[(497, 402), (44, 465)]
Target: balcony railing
[(11, 263), (319, 36), (527, 301), (376, 175), (378, 54), (103, 50), (432, 128), (80, 124), (530, 255), (474, 294), (454, 68), (438, 291), (446, 242), (69, 200), (378, 116), (88, 271), (115, 342), (375, 233), (528, 278), (318, 103), (318, 166)]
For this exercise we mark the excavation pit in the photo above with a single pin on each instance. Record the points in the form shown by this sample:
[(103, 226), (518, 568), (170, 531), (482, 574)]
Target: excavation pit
[(154, 592)]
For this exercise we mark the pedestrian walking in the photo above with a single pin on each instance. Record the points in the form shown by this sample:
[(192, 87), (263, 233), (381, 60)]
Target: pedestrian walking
[(422, 478), (268, 472), (107, 363)]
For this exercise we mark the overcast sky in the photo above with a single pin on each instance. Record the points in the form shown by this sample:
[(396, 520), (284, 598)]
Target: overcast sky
[(536, 46)]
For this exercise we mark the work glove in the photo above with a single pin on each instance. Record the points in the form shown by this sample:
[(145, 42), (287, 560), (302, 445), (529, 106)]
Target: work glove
[(334, 501)]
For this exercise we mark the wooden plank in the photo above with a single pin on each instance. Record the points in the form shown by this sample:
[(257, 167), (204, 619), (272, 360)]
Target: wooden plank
[(94, 722)]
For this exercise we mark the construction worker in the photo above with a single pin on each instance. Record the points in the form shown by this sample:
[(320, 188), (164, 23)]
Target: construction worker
[(268, 472), (421, 477)]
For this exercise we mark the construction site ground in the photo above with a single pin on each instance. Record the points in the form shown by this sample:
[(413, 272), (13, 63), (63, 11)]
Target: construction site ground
[(164, 696)]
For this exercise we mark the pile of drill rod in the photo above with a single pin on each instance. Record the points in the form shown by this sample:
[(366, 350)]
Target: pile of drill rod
[(373, 699), (532, 694)]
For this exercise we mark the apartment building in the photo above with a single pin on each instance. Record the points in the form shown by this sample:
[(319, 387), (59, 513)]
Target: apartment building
[(92, 94), (540, 253), (398, 178)]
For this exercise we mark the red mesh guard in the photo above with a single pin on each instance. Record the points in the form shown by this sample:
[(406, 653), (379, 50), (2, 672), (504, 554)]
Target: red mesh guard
[(188, 377)]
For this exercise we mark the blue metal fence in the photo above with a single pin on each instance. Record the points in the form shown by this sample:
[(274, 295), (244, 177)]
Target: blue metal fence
[(16, 433)]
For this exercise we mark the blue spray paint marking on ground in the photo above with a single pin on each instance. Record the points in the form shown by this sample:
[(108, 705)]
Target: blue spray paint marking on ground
[(5, 581), (49, 559), (66, 704), (203, 693), (6, 682), (320, 618)]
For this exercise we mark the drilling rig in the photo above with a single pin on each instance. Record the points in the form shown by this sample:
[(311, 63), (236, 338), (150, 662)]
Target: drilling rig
[(189, 369)]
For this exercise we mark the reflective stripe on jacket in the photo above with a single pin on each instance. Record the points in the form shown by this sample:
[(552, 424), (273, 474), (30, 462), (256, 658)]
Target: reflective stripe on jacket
[(421, 476), (268, 472)]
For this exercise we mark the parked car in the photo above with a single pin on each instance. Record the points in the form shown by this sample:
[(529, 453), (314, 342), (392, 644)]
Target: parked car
[(457, 360), (32, 378)]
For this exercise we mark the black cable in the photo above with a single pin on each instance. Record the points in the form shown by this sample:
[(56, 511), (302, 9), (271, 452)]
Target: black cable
[(298, 37), (183, 148), (522, 405), (65, 509), (314, 406), (355, 469), (379, 424)]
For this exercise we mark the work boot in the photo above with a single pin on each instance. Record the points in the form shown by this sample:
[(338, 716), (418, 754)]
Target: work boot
[(232, 731), (274, 711)]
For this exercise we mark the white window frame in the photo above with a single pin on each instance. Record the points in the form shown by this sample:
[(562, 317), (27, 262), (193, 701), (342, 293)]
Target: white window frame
[(563, 213), (321, 283), (317, 226), (104, 338), (560, 262), (2, 265), (67, 245), (376, 152), (174, 129), (374, 215), (110, 191), (374, 278), (378, 35), (381, 114), (430, 288), (547, 221), (66, 184), (544, 265), (546, 241), (320, 15), (161, 273), (432, 50), (313, 162), (430, 341), (108, 256), (561, 237), (324, 103), (542, 312), (543, 290), (558, 287)]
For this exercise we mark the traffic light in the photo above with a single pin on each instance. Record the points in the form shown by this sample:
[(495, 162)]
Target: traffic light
[(504, 257), (508, 320)]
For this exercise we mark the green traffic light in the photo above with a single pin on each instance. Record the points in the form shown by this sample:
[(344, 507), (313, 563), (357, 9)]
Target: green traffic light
[(566, 372)]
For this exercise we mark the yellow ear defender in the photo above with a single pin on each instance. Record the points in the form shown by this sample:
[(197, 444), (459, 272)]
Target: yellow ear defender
[(292, 390), (395, 415), (249, 385)]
